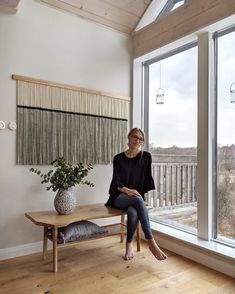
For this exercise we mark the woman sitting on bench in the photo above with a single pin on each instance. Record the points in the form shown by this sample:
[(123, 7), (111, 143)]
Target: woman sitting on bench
[(131, 179)]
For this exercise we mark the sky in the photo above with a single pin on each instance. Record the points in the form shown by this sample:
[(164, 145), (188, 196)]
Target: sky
[(175, 121), (226, 70)]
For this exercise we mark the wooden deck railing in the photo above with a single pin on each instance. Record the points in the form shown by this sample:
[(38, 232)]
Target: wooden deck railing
[(175, 184)]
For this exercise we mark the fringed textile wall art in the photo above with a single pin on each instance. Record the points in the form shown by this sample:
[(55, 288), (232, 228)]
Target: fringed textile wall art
[(59, 120)]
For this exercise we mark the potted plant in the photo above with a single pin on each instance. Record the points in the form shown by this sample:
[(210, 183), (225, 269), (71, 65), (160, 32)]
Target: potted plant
[(62, 179)]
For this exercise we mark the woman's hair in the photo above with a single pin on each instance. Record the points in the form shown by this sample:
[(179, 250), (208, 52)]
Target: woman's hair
[(136, 130)]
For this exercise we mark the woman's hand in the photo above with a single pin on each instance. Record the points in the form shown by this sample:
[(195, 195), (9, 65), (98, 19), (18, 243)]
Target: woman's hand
[(133, 192), (129, 192)]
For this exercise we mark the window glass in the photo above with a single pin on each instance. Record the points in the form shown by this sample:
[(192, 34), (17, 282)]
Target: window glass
[(177, 4), (173, 139), (170, 6), (226, 137)]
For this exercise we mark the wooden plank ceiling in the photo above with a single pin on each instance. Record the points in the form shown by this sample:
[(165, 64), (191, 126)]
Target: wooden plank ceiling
[(9, 6), (120, 15)]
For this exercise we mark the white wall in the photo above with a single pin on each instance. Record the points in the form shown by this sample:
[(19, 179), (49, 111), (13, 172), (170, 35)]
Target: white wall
[(48, 44)]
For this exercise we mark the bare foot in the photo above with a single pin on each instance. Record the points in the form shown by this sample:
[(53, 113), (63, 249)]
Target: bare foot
[(129, 251), (156, 251)]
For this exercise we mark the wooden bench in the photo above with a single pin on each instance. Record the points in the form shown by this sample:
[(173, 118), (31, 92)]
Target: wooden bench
[(50, 219)]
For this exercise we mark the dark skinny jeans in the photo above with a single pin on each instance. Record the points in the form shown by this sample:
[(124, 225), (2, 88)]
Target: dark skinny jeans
[(136, 210)]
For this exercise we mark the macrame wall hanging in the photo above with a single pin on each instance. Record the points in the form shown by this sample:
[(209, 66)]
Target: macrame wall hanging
[(59, 120)]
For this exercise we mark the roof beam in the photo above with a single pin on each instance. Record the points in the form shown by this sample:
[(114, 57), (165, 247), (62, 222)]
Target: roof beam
[(186, 19), (9, 6)]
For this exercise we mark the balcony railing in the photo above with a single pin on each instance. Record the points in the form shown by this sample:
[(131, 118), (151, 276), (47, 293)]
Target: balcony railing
[(175, 184)]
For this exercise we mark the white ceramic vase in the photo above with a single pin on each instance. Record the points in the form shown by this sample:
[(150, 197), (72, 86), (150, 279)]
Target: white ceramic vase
[(65, 201)]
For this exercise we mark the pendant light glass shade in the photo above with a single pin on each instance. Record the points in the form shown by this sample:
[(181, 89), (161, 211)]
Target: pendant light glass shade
[(160, 96), (160, 91), (232, 92)]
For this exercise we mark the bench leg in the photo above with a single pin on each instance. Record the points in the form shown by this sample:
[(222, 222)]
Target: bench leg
[(44, 243), (55, 249)]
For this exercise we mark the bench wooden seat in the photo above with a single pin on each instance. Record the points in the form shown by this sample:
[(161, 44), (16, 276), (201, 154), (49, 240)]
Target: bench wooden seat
[(50, 219)]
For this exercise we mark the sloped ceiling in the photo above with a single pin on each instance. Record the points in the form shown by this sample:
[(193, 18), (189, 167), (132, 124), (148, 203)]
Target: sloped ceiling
[(9, 6), (120, 15)]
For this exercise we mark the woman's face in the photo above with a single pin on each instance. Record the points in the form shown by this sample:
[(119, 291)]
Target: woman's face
[(135, 140)]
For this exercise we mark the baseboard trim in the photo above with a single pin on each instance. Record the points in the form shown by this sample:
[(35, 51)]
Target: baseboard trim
[(21, 250)]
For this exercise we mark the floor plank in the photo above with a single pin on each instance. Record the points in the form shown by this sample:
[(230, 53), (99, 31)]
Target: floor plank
[(96, 266)]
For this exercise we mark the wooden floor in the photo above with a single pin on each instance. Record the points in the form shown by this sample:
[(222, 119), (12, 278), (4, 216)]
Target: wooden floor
[(96, 267)]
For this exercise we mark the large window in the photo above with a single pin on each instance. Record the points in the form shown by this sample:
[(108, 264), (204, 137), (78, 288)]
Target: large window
[(225, 151), (193, 160), (171, 99)]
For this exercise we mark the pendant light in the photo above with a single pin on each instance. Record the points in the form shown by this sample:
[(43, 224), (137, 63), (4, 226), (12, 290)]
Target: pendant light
[(160, 91), (232, 92)]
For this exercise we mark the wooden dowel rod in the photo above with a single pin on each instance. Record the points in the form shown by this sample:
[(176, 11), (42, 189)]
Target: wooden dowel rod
[(68, 87)]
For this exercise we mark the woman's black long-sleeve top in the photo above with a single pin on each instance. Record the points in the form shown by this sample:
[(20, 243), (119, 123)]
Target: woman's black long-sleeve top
[(133, 173)]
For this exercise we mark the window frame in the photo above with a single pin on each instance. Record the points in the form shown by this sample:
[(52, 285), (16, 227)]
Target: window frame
[(207, 101), (216, 255), (145, 65), (215, 237), (145, 105)]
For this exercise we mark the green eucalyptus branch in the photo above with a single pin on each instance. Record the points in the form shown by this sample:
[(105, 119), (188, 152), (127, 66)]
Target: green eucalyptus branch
[(65, 175)]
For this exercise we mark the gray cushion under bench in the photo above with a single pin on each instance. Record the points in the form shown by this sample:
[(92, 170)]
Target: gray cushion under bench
[(80, 230)]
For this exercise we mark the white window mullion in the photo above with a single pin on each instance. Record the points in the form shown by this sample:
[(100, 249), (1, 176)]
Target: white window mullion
[(137, 103), (205, 97)]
